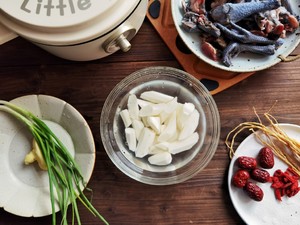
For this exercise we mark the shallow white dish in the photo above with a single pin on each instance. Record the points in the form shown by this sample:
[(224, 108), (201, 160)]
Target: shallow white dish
[(244, 62), (269, 210), (24, 189)]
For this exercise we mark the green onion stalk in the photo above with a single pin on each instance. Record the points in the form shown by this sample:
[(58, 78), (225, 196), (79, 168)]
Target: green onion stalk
[(66, 182)]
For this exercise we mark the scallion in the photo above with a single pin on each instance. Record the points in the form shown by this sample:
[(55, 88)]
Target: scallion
[(65, 178)]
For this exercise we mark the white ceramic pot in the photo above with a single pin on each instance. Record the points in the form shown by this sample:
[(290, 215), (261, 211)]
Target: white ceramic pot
[(78, 30)]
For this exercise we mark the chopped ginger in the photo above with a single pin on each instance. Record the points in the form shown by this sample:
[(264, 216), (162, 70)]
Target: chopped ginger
[(35, 155)]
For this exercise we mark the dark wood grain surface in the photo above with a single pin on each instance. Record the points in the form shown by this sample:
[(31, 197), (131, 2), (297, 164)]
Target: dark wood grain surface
[(204, 199)]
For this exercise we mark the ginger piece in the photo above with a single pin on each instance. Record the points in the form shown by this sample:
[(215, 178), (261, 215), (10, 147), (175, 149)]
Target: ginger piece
[(35, 155)]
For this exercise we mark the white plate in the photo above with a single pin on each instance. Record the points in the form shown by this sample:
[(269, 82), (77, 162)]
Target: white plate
[(24, 189), (245, 62), (269, 210)]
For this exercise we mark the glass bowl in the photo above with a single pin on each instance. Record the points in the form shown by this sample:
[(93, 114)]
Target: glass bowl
[(172, 82)]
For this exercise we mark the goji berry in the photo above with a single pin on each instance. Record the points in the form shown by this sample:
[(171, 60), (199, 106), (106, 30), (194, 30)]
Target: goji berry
[(296, 176), (277, 185), (278, 194), (278, 173), (285, 183)]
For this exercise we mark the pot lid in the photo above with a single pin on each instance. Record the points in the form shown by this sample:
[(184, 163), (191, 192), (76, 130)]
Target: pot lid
[(32, 18)]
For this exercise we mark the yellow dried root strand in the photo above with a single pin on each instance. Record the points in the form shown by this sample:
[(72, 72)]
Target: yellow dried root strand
[(280, 150), (272, 136), (250, 126)]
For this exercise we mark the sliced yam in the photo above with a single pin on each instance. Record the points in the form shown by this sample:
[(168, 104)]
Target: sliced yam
[(183, 113), (145, 122), (146, 140), (151, 110), (125, 117), (164, 116), (159, 126), (156, 97), (143, 103), (190, 125), (160, 147), (160, 159), (170, 129), (154, 123), (130, 138), (183, 145), (133, 107), (137, 125), (171, 106), (188, 108)]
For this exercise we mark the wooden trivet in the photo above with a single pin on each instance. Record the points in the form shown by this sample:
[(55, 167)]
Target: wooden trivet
[(215, 80)]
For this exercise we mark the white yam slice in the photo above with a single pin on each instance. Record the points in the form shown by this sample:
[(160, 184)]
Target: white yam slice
[(125, 117), (188, 108), (146, 140), (152, 110), (160, 159), (142, 103), (164, 116), (183, 145), (190, 125), (156, 97), (133, 107), (170, 129), (137, 125), (171, 106), (154, 123), (160, 147), (181, 117), (145, 122), (130, 138)]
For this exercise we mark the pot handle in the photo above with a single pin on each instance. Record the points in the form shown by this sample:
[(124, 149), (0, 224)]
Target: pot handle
[(6, 34), (119, 39)]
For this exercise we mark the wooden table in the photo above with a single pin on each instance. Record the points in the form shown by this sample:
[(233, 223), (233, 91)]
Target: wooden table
[(204, 199)]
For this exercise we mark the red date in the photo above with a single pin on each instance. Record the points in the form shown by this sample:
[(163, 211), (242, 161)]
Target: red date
[(247, 162), (240, 178), (266, 158), (260, 175), (254, 191)]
